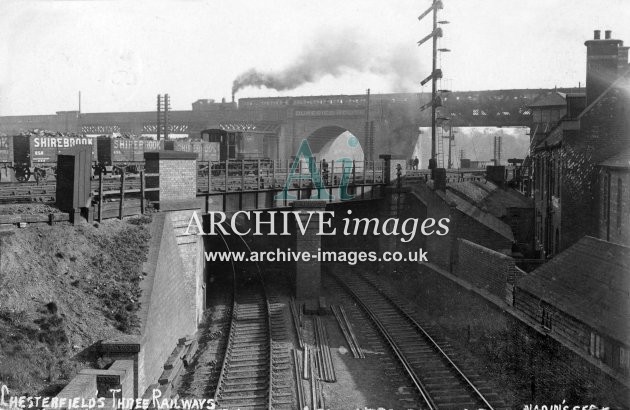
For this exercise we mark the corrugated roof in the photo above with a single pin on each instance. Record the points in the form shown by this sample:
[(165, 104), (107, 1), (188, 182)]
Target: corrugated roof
[(480, 216), (621, 160), (591, 282)]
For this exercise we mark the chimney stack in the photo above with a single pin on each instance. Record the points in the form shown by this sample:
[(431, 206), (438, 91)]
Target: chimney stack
[(232, 97), (604, 57)]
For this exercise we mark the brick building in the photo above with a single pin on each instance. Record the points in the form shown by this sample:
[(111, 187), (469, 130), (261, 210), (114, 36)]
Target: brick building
[(614, 199), (580, 298), (467, 221), (506, 204), (566, 153)]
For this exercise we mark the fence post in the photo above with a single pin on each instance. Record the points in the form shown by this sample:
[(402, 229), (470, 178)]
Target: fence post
[(227, 170), (300, 180), (374, 172), (142, 192), (331, 181), (100, 197), (363, 180), (209, 175), (122, 194), (242, 175), (258, 182), (259, 173), (286, 179)]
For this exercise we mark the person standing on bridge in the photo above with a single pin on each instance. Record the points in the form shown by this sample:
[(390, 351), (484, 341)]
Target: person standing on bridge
[(416, 162)]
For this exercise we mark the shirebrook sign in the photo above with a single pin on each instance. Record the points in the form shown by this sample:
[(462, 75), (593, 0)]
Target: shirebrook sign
[(313, 175)]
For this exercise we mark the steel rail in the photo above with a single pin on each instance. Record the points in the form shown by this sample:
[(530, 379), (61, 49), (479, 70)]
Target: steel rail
[(407, 366), (232, 325), (459, 372), (268, 305)]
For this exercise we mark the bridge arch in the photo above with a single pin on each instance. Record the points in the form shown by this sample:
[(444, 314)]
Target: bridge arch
[(324, 138)]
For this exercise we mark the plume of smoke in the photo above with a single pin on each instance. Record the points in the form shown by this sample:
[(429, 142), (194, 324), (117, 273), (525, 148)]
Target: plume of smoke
[(337, 53)]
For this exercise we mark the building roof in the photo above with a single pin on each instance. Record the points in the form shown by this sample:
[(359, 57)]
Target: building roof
[(553, 137), (621, 160), (551, 99), (480, 216), (589, 281), (489, 197)]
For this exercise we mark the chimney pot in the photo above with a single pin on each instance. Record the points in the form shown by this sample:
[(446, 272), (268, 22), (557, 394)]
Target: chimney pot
[(597, 34), (607, 33)]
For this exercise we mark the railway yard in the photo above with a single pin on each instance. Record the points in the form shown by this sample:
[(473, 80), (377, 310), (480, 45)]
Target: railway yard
[(350, 231), (367, 348), (377, 336)]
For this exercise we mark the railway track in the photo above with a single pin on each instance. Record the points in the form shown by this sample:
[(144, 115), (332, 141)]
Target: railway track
[(245, 375), (440, 383), (252, 361)]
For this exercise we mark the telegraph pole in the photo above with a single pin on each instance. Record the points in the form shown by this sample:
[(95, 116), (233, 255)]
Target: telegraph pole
[(163, 107), (369, 130), (434, 88), (434, 76), (159, 116)]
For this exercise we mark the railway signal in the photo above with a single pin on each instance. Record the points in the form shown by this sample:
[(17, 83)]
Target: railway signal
[(435, 72)]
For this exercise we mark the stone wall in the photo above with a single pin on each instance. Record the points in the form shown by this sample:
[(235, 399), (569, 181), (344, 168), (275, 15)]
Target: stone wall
[(426, 203), (486, 269), (464, 226), (166, 313)]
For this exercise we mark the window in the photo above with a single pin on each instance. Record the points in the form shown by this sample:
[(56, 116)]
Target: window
[(619, 202), (546, 318), (624, 359), (596, 348), (605, 199), (545, 116), (537, 116), (559, 169), (232, 146)]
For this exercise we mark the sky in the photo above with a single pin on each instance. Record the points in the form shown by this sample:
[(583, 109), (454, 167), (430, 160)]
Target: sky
[(121, 54)]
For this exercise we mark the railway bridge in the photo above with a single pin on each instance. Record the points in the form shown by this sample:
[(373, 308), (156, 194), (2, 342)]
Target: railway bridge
[(384, 123)]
